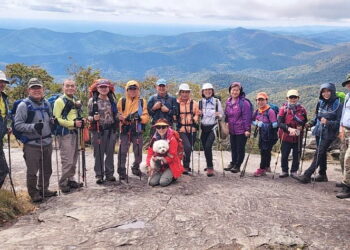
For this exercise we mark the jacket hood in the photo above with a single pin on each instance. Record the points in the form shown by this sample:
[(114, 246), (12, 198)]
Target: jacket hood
[(331, 87)]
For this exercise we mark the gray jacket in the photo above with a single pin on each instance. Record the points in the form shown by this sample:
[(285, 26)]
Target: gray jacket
[(28, 129), (345, 118)]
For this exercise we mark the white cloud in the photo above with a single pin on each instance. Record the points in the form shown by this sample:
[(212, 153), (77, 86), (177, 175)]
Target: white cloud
[(185, 11)]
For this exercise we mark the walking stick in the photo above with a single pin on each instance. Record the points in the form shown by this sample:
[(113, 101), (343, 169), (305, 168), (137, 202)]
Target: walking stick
[(138, 130), (128, 156), (251, 143), (10, 164), (199, 150), (57, 169), (78, 144), (318, 155), (82, 148), (42, 162), (303, 154), (278, 154), (99, 146), (220, 148)]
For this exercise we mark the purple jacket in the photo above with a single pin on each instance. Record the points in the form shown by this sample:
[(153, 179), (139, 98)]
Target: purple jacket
[(238, 116), (262, 117)]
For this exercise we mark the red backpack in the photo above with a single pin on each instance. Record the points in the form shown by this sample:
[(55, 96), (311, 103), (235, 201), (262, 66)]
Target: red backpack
[(180, 145)]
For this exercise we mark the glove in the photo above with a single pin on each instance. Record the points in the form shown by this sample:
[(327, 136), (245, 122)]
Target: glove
[(260, 124), (39, 127), (254, 123)]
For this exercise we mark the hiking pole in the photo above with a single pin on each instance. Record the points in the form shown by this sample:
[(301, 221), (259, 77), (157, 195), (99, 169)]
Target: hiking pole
[(78, 144), (10, 164), (278, 154), (57, 170), (220, 148), (199, 150), (99, 146), (251, 143), (303, 154), (42, 161), (138, 143), (82, 148), (128, 156), (318, 154)]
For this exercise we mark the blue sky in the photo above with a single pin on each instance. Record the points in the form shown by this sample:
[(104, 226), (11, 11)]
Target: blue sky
[(194, 12)]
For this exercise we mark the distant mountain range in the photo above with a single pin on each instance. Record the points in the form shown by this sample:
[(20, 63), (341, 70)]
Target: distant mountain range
[(257, 58)]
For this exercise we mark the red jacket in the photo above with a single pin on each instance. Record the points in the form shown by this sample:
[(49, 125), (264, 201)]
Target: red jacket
[(172, 157)]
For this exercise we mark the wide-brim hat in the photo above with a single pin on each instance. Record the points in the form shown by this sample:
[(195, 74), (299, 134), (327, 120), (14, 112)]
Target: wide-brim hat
[(3, 77), (161, 122), (346, 81), (293, 92)]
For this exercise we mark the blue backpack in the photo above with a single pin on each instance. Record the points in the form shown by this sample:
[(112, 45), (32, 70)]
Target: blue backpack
[(31, 113)]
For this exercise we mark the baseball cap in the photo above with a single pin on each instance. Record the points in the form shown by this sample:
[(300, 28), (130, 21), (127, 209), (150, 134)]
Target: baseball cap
[(34, 82), (161, 82)]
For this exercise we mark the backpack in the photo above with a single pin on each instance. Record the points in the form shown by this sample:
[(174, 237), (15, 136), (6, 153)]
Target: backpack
[(241, 102), (267, 132), (57, 129), (30, 116), (180, 145), (341, 95)]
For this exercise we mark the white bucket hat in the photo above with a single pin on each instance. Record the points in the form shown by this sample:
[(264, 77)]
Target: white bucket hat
[(207, 86), (3, 77), (184, 87)]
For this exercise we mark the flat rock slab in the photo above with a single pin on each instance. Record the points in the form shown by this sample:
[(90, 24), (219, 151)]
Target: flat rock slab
[(196, 212)]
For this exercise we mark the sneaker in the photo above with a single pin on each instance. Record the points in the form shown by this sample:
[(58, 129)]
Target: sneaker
[(229, 167), (283, 175), (48, 193), (136, 171), (74, 184), (187, 171), (294, 175), (321, 178), (111, 178), (36, 198), (210, 172), (304, 179), (259, 172), (345, 193), (235, 169), (65, 189), (99, 180)]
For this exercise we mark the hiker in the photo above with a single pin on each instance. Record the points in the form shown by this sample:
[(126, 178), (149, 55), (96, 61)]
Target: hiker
[(292, 118), (133, 115), (210, 110), (33, 119), (187, 122), (171, 168), (344, 135), (238, 115), (104, 123), (266, 121), (161, 104), (67, 113), (327, 120), (4, 105)]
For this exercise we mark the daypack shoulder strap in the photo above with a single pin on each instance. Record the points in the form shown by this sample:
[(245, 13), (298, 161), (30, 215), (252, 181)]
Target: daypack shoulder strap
[(123, 104)]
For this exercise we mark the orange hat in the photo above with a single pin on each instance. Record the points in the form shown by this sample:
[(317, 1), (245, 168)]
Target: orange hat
[(161, 122), (262, 95)]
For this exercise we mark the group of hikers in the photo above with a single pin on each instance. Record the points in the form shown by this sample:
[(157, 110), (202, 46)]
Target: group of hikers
[(39, 123)]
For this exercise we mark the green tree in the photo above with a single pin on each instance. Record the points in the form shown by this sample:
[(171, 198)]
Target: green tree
[(20, 74)]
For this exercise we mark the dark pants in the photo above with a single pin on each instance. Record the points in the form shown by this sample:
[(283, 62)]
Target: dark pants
[(320, 157), (265, 153), (4, 170), (36, 161), (237, 149), (286, 147), (137, 144), (207, 139), (188, 139)]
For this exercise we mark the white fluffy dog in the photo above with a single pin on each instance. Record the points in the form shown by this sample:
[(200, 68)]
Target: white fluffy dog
[(160, 149)]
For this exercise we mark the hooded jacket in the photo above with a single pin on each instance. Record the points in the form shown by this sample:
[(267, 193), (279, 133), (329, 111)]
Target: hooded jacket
[(132, 105), (330, 109)]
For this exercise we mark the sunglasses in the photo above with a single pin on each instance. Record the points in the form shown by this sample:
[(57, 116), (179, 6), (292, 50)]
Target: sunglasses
[(293, 97), (103, 87), (161, 127), (261, 99)]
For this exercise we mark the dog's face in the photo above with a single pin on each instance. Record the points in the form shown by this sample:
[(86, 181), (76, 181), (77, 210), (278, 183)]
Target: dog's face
[(161, 146)]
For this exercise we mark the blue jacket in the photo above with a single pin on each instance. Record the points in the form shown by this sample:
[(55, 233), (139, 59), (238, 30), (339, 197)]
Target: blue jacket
[(169, 101)]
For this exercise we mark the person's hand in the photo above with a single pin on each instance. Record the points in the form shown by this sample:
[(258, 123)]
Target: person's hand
[(121, 117), (200, 112), (164, 109), (39, 127), (247, 133), (299, 128), (217, 115), (157, 105), (260, 124), (341, 135), (78, 123), (9, 130), (292, 131), (96, 117), (324, 121)]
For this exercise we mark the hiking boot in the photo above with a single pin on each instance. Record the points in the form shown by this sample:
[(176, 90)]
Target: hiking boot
[(210, 172), (136, 171), (122, 176), (229, 167), (65, 189), (345, 193), (187, 171), (49, 193), (303, 179), (283, 175), (259, 172), (294, 175), (339, 184), (236, 169), (74, 184), (321, 178), (36, 198), (111, 178), (99, 180)]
